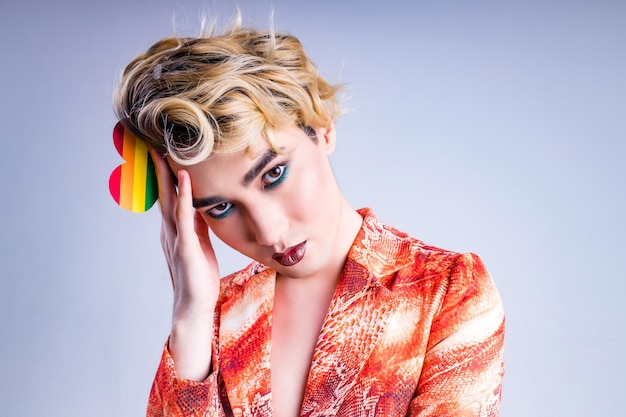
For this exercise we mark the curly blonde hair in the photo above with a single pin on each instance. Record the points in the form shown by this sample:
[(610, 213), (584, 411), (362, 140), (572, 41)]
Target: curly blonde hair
[(190, 97)]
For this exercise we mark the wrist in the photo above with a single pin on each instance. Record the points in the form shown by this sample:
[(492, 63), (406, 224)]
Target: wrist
[(190, 348), (192, 313), (188, 306)]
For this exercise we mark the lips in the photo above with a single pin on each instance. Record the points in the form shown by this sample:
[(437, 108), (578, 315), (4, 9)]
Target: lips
[(292, 255)]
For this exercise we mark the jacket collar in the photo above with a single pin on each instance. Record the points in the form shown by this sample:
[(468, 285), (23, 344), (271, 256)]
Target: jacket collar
[(379, 248), (358, 314), (243, 350)]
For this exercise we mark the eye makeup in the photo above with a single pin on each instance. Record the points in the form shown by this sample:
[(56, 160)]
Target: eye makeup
[(270, 179), (274, 176), (219, 211)]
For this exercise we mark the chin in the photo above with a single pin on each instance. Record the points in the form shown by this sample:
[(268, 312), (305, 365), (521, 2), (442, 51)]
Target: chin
[(308, 266)]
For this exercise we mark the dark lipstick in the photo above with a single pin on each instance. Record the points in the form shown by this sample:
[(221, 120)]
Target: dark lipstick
[(291, 256)]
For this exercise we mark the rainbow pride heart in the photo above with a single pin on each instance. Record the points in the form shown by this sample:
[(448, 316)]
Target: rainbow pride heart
[(133, 185)]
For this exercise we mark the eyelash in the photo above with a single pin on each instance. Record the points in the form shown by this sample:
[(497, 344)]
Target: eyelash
[(282, 175), (224, 212), (228, 207)]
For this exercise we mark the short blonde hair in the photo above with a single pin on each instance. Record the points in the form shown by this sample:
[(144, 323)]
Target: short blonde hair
[(189, 97)]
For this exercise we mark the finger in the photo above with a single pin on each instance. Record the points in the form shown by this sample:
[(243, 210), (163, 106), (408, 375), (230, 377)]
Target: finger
[(200, 226), (202, 231), (184, 207), (165, 244), (167, 191)]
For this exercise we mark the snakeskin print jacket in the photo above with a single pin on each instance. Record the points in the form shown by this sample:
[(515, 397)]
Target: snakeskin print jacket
[(412, 330)]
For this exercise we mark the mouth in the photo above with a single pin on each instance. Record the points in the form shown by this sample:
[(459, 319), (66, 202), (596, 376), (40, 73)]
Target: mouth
[(292, 255)]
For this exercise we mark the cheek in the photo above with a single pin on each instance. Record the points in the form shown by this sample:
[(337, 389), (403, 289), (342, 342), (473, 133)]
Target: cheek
[(311, 196), (230, 233)]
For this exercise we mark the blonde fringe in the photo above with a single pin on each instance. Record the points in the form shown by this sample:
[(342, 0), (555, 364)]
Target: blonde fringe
[(190, 97)]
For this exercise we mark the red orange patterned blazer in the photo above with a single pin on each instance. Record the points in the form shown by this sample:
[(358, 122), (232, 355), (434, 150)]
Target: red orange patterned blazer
[(412, 330)]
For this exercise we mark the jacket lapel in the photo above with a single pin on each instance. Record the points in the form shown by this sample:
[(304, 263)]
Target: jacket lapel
[(357, 317), (244, 345)]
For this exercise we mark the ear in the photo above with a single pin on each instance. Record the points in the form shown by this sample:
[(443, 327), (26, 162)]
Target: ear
[(328, 138)]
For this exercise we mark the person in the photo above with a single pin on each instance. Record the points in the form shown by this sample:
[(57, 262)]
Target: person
[(338, 313)]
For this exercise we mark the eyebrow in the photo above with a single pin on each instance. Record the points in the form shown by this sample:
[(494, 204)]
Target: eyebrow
[(267, 157), (207, 201)]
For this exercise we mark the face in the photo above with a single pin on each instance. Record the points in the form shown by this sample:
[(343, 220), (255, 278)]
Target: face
[(281, 209)]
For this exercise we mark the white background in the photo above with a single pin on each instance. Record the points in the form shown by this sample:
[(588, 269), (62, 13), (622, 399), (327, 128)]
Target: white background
[(497, 127)]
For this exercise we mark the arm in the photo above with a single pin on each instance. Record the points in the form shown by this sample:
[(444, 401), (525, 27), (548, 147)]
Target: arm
[(172, 396), (195, 278), (463, 368), (183, 386)]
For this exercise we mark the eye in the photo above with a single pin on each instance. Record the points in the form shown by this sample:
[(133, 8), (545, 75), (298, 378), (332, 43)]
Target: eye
[(274, 176), (220, 211)]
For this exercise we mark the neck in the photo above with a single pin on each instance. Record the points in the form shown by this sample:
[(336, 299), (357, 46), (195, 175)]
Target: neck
[(324, 282)]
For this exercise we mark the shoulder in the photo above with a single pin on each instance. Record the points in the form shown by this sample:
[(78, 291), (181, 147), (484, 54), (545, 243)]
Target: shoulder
[(395, 257), (459, 291), (431, 262), (398, 260), (459, 278), (425, 262), (392, 256)]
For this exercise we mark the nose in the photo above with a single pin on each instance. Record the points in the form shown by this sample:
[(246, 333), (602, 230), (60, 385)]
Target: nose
[(268, 224)]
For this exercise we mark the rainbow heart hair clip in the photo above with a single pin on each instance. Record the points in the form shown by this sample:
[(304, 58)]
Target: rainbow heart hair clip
[(133, 184)]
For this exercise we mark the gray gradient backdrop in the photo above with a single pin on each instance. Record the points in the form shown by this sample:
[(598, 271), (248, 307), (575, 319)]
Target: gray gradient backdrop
[(496, 127)]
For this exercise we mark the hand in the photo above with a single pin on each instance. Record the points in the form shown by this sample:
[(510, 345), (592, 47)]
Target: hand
[(185, 240), (194, 272)]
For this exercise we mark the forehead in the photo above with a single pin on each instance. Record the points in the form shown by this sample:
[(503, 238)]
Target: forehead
[(281, 142), (223, 173), (219, 163)]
